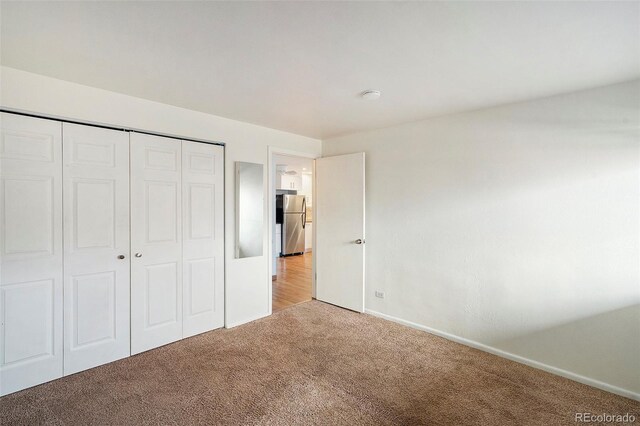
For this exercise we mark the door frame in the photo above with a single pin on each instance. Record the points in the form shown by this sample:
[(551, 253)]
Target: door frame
[(271, 167)]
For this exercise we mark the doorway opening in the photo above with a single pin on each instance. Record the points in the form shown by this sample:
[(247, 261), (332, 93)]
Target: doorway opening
[(292, 230)]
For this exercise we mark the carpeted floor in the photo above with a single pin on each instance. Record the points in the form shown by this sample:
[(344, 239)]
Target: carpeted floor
[(311, 364)]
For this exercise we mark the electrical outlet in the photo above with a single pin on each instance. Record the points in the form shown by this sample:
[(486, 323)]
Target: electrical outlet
[(380, 294)]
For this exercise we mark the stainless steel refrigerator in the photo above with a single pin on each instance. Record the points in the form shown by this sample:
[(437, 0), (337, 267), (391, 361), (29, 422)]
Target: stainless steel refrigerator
[(295, 216)]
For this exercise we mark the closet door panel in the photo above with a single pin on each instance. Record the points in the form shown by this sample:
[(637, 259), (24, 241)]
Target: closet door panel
[(97, 258), (203, 236), (156, 232), (31, 252)]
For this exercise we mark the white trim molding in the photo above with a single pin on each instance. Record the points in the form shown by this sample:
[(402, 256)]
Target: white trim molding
[(517, 358)]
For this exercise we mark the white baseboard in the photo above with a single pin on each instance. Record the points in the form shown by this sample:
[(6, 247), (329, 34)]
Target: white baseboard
[(245, 321), (517, 358)]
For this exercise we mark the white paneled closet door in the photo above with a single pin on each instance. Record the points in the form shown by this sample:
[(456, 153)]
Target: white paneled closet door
[(203, 237), (96, 246), (31, 247), (156, 241)]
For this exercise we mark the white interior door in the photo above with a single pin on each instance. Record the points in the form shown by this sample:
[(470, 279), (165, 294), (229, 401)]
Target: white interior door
[(96, 246), (31, 248), (339, 221), (156, 241), (202, 237)]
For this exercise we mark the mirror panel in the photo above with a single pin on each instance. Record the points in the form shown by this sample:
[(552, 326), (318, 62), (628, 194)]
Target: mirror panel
[(249, 209)]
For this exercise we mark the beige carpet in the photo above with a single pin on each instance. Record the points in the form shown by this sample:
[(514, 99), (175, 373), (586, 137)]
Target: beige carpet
[(311, 364)]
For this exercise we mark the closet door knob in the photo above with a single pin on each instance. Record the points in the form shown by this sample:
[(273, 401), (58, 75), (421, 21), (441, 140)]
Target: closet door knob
[(121, 257), (138, 254)]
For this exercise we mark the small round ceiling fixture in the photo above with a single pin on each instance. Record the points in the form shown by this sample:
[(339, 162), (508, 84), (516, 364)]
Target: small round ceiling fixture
[(370, 95)]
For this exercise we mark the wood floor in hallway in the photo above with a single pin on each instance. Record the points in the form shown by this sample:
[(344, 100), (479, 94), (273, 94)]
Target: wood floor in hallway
[(293, 282)]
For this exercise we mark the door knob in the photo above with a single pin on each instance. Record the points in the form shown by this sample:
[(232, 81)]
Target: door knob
[(138, 254), (121, 256), (359, 241)]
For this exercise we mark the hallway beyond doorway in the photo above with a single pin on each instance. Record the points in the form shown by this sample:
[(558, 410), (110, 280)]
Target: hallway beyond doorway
[(293, 282)]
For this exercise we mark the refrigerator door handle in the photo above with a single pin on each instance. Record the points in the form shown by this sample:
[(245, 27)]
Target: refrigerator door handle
[(304, 212)]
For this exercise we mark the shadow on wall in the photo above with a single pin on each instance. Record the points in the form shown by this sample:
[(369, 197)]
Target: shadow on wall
[(516, 227), (570, 346)]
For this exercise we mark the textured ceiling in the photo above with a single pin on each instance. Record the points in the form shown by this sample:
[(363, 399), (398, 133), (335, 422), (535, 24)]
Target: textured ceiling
[(299, 66)]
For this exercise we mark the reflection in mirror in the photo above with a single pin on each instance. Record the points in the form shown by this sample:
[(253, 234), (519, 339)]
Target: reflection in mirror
[(249, 209)]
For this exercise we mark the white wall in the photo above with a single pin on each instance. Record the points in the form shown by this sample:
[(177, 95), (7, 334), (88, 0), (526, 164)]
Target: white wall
[(247, 280), (515, 227)]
